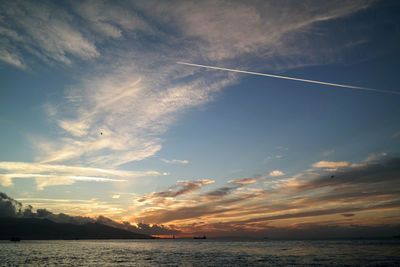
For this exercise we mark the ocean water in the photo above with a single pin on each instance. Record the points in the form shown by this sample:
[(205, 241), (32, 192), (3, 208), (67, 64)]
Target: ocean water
[(209, 252)]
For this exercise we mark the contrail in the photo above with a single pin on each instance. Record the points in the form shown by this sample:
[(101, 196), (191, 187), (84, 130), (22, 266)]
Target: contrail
[(291, 78)]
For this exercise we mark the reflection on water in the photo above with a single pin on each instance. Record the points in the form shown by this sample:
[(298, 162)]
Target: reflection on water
[(208, 252)]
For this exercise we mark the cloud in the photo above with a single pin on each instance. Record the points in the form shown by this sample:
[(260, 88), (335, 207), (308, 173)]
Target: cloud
[(163, 207), (243, 181), (106, 131), (348, 214), (184, 188), (12, 58), (45, 31), (8, 206), (315, 197), (276, 173), (222, 35), (138, 227), (155, 229), (116, 196), (328, 153), (194, 206), (54, 33), (363, 196), (333, 165), (75, 207), (220, 192), (143, 77), (110, 20), (321, 212), (375, 157), (180, 214), (51, 174), (175, 161), (376, 173)]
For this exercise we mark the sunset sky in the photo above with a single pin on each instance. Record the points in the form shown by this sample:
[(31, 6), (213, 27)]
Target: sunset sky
[(98, 118)]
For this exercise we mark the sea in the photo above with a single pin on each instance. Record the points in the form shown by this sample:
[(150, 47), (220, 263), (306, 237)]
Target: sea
[(208, 252)]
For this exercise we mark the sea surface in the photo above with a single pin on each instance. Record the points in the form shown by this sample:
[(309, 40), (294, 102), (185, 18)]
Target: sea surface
[(209, 252)]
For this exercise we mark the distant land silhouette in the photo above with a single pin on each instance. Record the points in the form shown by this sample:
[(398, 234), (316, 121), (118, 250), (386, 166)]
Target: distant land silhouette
[(17, 219), (44, 229)]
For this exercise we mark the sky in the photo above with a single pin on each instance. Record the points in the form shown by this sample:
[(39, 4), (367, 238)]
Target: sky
[(99, 117)]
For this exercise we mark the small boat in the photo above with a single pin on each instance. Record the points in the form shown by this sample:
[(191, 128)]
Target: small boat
[(15, 239), (200, 237)]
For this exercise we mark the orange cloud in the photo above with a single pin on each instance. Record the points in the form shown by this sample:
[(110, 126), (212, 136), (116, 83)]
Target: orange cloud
[(243, 181), (276, 173), (330, 164)]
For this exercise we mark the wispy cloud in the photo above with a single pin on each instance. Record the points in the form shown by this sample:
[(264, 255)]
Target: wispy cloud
[(50, 174), (328, 153), (243, 181), (175, 161), (107, 131), (48, 32), (331, 164), (118, 112), (222, 35), (184, 188), (12, 58), (376, 156)]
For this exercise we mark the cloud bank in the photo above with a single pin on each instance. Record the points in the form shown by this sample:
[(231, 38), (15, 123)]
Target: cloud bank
[(352, 198)]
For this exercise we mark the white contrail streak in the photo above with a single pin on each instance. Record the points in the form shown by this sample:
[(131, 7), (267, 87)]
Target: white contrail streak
[(290, 78)]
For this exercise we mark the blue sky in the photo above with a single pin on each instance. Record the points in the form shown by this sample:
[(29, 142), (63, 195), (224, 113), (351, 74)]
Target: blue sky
[(95, 109)]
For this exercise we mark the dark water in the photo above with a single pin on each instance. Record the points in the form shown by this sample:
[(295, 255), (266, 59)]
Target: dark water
[(200, 253)]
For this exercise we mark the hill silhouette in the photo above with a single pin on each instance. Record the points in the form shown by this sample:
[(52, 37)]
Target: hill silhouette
[(42, 229)]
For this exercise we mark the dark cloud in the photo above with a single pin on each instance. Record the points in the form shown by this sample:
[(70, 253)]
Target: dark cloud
[(220, 192), (210, 204), (348, 214), (386, 171), (184, 187), (312, 213), (367, 187), (182, 213), (9, 207), (154, 229), (141, 228)]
